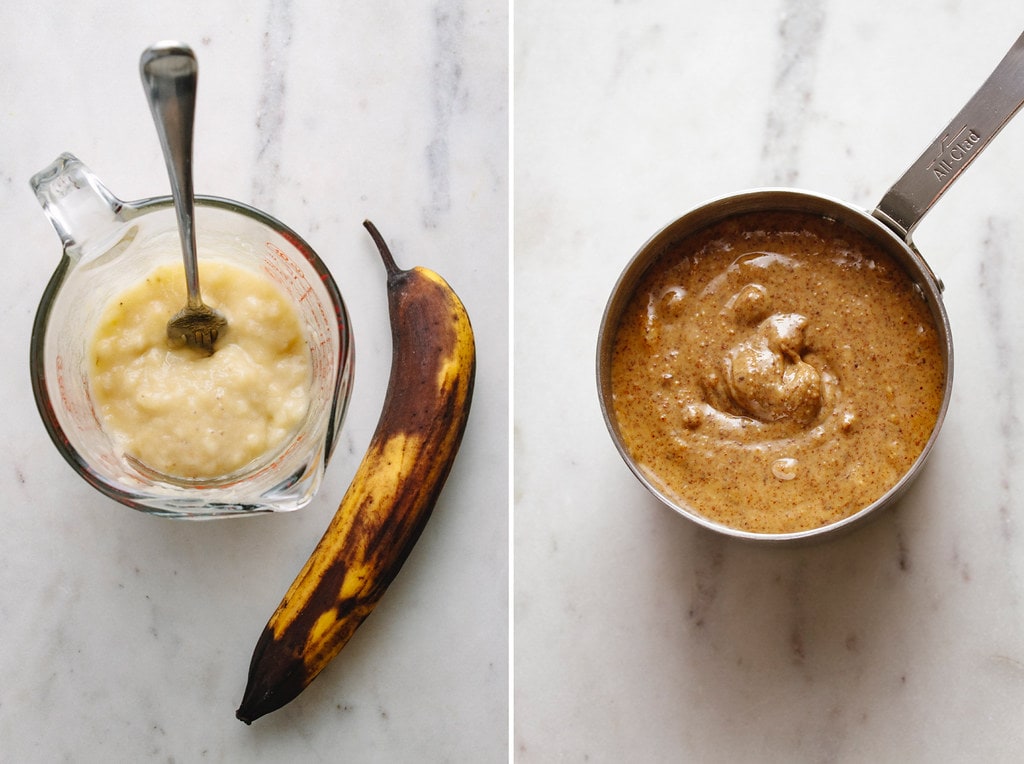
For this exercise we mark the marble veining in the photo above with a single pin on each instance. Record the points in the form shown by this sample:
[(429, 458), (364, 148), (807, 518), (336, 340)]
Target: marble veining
[(998, 288), (799, 38), (271, 111), (445, 82)]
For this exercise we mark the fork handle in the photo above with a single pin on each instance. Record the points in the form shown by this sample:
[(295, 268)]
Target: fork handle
[(169, 75)]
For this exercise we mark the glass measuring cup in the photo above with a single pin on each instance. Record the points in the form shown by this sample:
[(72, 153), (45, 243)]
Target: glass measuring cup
[(109, 245), (889, 227)]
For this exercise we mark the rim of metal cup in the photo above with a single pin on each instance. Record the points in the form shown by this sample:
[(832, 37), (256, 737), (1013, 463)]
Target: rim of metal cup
[(132, 210), (772, 200)]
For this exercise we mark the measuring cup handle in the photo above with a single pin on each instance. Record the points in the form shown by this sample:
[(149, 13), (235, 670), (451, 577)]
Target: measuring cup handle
[(78, 205), (970, 131)]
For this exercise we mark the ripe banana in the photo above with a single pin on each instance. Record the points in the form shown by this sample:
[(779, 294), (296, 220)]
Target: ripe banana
[(391, 496)]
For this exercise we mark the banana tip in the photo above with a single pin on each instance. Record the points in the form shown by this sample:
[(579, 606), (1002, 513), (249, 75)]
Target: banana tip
[(243, 716)]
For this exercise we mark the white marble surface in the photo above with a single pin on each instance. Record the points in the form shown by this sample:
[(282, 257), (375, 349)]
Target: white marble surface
[(638, 637), (128, 638)]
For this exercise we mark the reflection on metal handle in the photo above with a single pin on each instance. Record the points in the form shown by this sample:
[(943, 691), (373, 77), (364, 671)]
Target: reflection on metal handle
[(169, 74), (996, 101)]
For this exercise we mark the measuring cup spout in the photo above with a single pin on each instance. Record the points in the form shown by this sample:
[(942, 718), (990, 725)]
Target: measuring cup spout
[(82, 210)]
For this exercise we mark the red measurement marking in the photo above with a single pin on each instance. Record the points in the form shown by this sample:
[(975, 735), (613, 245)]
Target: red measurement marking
[(286, 273)]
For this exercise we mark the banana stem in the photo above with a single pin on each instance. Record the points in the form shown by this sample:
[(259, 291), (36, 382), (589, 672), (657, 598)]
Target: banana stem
[(382, 247)]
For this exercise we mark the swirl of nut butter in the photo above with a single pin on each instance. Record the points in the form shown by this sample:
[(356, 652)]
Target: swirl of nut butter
[(766, 377)]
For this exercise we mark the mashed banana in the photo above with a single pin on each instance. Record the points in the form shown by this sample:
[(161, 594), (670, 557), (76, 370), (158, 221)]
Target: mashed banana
[(182, 412), (776, 373)]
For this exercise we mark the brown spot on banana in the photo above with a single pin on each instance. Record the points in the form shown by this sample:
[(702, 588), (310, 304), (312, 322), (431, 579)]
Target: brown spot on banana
[(391, 495)]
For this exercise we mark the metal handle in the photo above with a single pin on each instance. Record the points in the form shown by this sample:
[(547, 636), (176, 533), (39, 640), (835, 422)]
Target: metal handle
[(169, 75), (970, 131)]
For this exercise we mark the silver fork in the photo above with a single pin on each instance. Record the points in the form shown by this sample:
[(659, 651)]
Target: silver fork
[(169, 75)]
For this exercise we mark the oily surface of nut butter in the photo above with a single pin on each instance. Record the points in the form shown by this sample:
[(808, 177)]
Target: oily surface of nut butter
[(776, 372)]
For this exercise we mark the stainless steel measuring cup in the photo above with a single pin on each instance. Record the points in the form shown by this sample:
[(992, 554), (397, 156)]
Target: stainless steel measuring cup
[(890, 225)]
